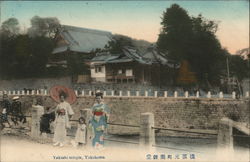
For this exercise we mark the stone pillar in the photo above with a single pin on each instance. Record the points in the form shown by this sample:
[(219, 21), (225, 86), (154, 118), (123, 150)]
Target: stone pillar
[(90, 93), (186, 94), (37, 92), (9, 92), (14, 92), (208, 94), (104, 93), (233, 95), (165, 93), (156, 94), (128, 93), (221, 95), (32, 92), (87, 114), (197, 94), (82, 93), (18, 92), (112, 93), (146, 93), (137, 93), (247, 94), (225, 134), (175, 94), (45, 92), (76, 93), (37, 112), (147, 134), (23, 92), (120, 93)]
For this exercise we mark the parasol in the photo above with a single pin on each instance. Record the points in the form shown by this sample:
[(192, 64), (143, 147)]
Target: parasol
[(57, 90)]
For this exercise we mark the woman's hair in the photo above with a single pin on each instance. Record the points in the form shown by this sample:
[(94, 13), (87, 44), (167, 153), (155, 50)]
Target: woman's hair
[(99, 94), (39, 101), (81, 118), (62, 93)]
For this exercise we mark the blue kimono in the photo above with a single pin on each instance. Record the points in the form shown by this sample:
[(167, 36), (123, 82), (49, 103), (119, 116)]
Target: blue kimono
[(99, 126)]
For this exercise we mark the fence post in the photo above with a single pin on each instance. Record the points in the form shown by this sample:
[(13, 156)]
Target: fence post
[(45, 92), (197, 94), (225, 134), (221, 95), (32, 92), (233, 95), (147, 134), (87, 114), (120, 93), (83, 93), (175, 94), (37, 92), (14, 92), (165, 93), (76, 93), (137, 93), (146, 94), (208, 94), (112, 93), (247, 94), (37, 112), (156, 94), (128, 93), (186, 94), (23, 92)]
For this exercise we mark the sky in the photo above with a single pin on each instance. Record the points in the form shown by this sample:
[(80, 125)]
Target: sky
[(137, 19)]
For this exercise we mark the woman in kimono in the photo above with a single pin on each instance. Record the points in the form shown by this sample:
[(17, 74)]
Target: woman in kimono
[(63, 114), (99, 121)]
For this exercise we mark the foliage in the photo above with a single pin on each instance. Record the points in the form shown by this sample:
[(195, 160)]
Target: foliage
[(23, 56), (186, 76), (238, 67), (116, 45), (192, 39), (10, 28), (176, 32), (47, 26)]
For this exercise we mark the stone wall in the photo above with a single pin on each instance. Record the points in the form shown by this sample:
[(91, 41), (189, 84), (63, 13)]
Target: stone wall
[(194, 113)]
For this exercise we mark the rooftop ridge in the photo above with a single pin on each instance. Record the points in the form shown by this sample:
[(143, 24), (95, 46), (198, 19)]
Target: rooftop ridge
[(81, 29)]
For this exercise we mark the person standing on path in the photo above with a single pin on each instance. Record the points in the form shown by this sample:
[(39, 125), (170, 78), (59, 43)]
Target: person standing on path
[(63, 113), (98, 123)]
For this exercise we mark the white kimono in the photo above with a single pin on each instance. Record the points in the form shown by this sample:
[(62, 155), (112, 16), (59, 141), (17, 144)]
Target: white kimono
[(62, 122), (81, 134)]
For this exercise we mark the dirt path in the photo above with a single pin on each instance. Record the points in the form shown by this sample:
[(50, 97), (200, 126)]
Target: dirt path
[(22, 149)]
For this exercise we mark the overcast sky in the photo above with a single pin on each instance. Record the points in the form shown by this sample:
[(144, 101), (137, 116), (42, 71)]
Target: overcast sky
[(137, 19)]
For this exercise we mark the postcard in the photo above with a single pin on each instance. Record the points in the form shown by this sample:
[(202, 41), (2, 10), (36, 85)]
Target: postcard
[(124, 81)]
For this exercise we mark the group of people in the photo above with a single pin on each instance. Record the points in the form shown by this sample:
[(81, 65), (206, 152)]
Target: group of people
[(97, 125), (11, 109)]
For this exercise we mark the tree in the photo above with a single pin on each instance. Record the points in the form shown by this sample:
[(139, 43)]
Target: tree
[(47, 26), (186, 76), (176, 32), (192, 39), (116, 45), (238, 67), (206, 56), (10, 27)]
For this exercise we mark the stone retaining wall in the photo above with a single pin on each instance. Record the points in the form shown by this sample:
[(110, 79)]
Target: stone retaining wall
[(194, 113)]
